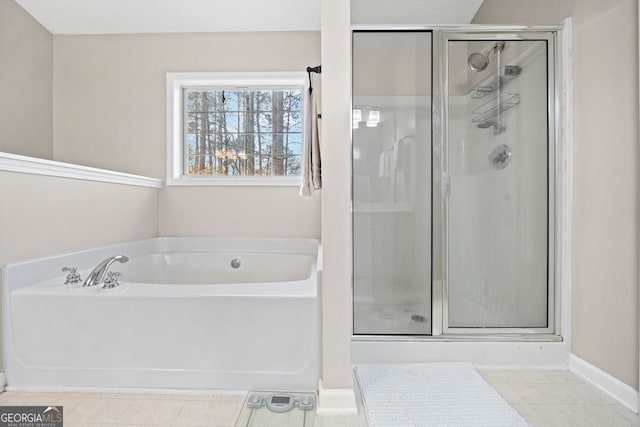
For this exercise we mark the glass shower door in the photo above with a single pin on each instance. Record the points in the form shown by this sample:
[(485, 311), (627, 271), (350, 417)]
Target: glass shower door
[(499, 168), (391, 185)]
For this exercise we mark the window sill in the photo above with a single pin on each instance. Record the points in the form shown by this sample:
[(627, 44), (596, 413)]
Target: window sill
[(263, 181)]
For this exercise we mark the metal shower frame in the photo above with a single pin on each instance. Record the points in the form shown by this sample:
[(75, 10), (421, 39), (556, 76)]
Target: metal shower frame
[(441, 35)]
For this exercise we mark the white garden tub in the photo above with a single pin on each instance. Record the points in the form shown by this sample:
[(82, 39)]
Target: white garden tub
[(182, 318)]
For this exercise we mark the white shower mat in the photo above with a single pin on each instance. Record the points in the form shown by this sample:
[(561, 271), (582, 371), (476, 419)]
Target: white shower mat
[(432, 394)]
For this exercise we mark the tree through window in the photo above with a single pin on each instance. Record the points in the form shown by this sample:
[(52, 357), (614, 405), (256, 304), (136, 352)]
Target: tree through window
[(242, 132)]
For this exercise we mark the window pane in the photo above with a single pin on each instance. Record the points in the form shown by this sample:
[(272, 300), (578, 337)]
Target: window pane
[(200, 164), (264, 98), (262, 163), (190, 144), (294, 141), (265, 141), (233, 122), (242, 132), (264, 122), (293, 165), (294, 124), (234, 100)]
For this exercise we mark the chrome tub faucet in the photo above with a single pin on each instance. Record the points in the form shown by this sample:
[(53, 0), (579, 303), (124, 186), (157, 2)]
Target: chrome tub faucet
[(97, 276)]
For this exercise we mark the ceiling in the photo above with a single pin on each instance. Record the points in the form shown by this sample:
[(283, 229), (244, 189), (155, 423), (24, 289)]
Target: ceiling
[(430, 12), (171, 16)]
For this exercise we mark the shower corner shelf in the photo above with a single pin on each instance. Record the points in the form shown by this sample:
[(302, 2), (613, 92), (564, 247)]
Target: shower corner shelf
[(488, 112), (488, 86)]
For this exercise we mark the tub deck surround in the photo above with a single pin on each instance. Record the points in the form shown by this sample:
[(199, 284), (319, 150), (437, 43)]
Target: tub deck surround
[(182, 318)]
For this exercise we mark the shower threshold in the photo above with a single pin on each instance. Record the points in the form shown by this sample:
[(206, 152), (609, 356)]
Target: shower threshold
[(544, 351)]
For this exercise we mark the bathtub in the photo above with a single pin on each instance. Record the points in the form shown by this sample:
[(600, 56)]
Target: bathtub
[(182, 318)]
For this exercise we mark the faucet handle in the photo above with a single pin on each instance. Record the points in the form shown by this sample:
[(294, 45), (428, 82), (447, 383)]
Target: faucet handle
[(111, 281), (73, 277)]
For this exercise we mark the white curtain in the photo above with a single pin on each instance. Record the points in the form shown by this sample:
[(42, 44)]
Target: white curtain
[(311, 163)]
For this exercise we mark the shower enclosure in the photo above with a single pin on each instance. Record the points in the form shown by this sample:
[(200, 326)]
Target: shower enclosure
[(454, 183)]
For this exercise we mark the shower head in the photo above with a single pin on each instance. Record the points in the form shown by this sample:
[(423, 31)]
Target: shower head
[(479, 61)]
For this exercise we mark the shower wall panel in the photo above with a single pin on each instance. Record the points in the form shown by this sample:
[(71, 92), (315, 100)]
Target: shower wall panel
[(391, 183)]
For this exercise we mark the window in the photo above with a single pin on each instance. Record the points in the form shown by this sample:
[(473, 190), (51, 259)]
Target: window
[(235, 128)]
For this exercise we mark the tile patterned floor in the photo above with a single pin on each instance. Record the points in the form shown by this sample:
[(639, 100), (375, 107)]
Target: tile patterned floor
[(558, 398), (543, 398)]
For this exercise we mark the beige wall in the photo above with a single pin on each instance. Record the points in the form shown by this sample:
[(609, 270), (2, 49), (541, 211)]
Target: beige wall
[(604, 314), (42, 215), (277, 212), (110, 112), (62, 215), (26, 84)]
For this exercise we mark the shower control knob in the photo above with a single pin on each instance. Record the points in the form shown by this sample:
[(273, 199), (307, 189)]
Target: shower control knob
[(500, 157)]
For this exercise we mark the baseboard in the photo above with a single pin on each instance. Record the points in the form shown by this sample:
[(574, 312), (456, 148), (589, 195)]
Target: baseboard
[(337, 401), (620, 391)]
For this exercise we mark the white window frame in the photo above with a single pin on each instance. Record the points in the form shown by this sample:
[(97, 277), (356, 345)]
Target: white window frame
[(176, 82)]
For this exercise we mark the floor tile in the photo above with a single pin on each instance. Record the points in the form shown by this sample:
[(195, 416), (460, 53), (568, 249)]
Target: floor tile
[(625, 414), (525, 411), (535, 394), (494, 376), (341, 421), (585, 393), (245, 415), (165, 413), (128, 396), (112, 411), (542, 398), (564, 399), (224, 410), (576, 415), (508, 393), (85, 410), (66, 424), (530, 377), (136, 411), (560, 377), (194, 413)]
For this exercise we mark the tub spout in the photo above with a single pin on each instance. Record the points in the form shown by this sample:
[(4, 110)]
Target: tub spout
[(96, 277)]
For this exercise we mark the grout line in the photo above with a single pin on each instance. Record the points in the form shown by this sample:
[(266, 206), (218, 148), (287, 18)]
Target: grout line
[(175, 417), (178, 415), (250, 416)]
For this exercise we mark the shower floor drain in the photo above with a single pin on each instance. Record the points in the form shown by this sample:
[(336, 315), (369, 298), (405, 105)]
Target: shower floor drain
[(417, 318)]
